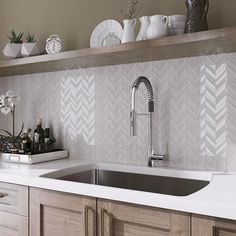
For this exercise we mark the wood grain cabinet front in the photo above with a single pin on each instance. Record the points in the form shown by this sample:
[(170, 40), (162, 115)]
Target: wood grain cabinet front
[(59, 214), (14, 199), (119, 219), (209, 226), (13, 225)]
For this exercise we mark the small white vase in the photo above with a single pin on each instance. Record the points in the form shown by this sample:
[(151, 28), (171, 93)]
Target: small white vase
[(12, 50), (32, 49), (128, 34), (145, 22), (158, 27)]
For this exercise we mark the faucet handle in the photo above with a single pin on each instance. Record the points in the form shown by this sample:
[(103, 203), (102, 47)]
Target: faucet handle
[(156, 160), (133, 123)]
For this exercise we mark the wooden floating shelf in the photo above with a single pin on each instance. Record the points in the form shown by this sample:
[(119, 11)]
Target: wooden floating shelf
[(179, 46)]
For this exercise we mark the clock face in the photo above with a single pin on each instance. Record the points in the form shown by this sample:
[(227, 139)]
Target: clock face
[(53, 45)]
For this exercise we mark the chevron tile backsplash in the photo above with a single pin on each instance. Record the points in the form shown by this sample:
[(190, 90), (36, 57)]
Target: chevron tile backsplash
[(88, 110)]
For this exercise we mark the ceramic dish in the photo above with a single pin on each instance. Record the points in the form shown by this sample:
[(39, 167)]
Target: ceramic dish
[(102, 30)]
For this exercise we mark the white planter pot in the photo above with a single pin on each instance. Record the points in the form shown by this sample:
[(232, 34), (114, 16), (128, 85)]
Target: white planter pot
[(12, 50), (32, 49)]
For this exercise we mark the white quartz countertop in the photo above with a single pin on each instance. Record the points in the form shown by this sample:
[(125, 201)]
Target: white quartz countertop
[(216, 199)]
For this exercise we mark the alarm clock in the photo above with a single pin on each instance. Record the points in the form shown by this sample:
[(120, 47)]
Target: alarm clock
[(53, 44)]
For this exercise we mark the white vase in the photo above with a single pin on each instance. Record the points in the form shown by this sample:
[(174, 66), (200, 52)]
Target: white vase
[(32, 49), (145, 22), (128, 33), (158, 27), (12, 50)]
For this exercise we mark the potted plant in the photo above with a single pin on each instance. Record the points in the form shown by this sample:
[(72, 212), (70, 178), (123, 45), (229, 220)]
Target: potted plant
[(9, 142), (31, 47), (130, 20), (13, 48)]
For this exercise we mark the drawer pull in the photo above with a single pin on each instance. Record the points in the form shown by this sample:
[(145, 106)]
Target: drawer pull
[(2, 195), (111, 222), (86, 219)]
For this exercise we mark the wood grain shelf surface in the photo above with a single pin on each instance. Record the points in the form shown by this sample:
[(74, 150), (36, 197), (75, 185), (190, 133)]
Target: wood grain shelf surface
[(188, 45)]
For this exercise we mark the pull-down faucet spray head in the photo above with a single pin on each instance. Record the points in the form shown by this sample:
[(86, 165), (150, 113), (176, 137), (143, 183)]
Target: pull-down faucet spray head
[(133, 113), (148, 85)]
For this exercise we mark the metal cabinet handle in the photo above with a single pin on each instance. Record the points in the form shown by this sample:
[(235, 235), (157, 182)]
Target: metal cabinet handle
[(86, 220), (2, 195), (111, 222)]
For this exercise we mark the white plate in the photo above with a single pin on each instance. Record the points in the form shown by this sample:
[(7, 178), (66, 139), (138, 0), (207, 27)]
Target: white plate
[(102, 30)]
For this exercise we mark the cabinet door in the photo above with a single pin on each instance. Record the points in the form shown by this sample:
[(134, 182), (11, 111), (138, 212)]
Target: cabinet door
[(13, 225), (119, 219), (209, 226), (59, 214)]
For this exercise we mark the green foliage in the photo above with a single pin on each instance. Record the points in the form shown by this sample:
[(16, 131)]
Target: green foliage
[(14, 38), (8, 140), (30, 39), (133, 9)]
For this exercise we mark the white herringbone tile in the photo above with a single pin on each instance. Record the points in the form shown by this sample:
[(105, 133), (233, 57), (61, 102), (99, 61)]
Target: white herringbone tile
[(88, 110), (213, 110), (231, 107), (177, 148)]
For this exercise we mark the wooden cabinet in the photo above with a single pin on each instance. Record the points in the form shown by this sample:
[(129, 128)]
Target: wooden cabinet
[(13, 225), (208, 226), (14, 199), (59, 214), (119, 219), (13, 210)]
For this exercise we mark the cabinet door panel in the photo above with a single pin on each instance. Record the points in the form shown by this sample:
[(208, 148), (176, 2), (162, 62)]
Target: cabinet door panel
[(59, 214), (13, 225), (119, 219), (209, 226)]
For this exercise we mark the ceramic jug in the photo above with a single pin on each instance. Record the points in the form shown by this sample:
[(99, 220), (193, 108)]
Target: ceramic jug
[(145, 22), (128, 34), (196, 15), (158, 27)]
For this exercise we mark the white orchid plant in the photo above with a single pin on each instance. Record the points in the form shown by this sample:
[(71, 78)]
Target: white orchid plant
[(8, 103)]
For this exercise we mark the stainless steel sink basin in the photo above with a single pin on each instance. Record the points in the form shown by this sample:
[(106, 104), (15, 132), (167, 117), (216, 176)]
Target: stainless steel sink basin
[(136, 181)]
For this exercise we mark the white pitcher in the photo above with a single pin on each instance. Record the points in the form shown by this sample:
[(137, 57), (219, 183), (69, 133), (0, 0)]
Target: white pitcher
[(128, 34), (158, 27), (145, 22)]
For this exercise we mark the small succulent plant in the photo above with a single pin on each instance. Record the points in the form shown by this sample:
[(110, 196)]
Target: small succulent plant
[(30, 39), (15, 38), (133, 9)]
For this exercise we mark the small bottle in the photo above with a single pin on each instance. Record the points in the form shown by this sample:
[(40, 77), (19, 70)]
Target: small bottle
[(25, 143), (38, 137), (40, 131), (46, 134)]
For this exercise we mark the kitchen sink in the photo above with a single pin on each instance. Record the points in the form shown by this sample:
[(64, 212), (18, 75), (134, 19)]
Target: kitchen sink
[(134, 181)]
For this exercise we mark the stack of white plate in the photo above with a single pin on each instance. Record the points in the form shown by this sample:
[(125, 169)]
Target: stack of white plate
[(176, 24)]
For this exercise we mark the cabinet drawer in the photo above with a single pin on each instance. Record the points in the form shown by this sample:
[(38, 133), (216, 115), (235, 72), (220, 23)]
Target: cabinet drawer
[(13, 225), (14, 199)]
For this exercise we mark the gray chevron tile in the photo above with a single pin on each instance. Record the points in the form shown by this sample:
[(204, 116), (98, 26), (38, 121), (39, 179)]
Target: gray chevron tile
[(161, 83), (231, 106), (177, 147), (88, 110), (129, 74), (115, 112), (101, 113)]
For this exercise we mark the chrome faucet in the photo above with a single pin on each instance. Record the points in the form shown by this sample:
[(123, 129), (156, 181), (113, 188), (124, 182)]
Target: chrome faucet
[(153, 159)]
